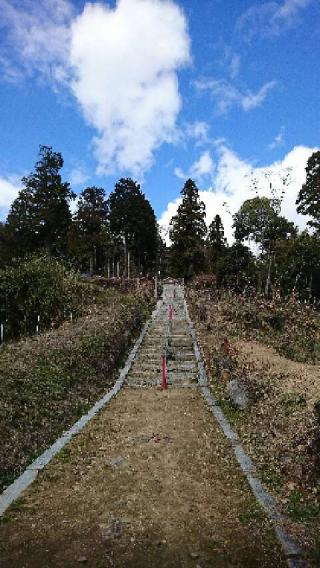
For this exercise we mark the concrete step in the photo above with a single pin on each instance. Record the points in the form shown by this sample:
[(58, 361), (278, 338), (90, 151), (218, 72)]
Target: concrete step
[(171, 376)]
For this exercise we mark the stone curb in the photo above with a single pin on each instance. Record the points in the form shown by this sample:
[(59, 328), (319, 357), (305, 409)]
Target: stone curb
[(13, 492), (293, 553)]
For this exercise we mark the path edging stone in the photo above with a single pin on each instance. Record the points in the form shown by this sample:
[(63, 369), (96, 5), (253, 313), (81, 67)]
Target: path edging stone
[(13, 491), (293, 553)]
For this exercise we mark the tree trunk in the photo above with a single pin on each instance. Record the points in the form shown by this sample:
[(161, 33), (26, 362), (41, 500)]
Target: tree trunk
[(268, 281), (91, 264)]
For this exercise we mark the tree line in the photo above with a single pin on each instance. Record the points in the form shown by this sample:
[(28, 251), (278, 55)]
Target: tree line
[(285, 261), (118, 235), (104, 235)]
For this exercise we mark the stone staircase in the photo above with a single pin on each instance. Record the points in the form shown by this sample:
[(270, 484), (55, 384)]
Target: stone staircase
[(174, 339)]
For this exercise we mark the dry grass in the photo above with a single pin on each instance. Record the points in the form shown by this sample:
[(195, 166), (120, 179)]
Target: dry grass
[(279, 427), (47, 382), (175, 498)]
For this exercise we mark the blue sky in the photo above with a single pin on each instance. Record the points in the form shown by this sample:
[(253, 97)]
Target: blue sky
[(160, 90)]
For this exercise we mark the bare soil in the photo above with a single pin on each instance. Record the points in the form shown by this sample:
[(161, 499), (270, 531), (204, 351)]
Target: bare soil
[(151, 482)]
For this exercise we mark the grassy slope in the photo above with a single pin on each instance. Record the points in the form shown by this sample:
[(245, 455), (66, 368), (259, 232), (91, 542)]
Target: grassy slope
[(47, 382), (278, 427)]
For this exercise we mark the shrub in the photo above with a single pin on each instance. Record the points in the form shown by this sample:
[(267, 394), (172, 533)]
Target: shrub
[(204, 281), (36, 286)]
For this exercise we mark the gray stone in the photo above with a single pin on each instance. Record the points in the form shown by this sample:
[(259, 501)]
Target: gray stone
[(115, 462), (237, 394)]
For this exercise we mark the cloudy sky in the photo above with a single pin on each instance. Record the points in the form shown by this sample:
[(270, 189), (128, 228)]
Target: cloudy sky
[(223, 91)]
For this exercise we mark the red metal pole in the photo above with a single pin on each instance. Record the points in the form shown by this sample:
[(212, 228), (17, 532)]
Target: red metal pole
[(164, 373)]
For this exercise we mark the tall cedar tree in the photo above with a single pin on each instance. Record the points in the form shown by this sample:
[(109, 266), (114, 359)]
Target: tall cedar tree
[(216, 241), (40, 215), (187, 233), (308, 200), (89, 234), (132, 220)]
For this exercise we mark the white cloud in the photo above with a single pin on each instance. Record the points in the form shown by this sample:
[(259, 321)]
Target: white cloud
[(199, 170), (270, 19), (232, 186), (203, 167), (278, 140), (120, 64), (234, 65), (179, 173), (198, 131), (253, 100), (9, 189), (232, 61), (124, 63), (227, 95), (37, 37), (78, 176)]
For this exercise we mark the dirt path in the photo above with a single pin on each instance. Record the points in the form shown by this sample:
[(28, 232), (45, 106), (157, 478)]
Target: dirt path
[(151, 482)]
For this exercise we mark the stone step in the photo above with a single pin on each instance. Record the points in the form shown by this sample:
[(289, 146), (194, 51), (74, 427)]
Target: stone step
[(159, 386), (171, 366), (150, 342), (155, 354), (174, 376)]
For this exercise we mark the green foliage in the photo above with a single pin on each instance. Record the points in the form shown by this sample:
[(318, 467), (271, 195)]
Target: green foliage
[(133, 223), (89, 234), (308, 200), (216, 238), (36, 286), (39, 217), (216, 242), (297, 265), (187, 233), (291, 401), (300, 509), (258, 219), (235, 267)]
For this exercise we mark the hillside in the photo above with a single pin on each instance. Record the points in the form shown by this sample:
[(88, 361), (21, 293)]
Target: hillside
[(251, 343)]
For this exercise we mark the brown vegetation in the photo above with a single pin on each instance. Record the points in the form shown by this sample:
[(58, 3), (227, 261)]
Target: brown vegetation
[(48, 381), (247, 339)]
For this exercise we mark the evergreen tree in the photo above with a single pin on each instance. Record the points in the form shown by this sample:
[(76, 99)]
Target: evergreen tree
[(216, 236), (89, 234), (236, 268), (308, 200), (40, 215), (216, 241), (187, 234), (133, 222)]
